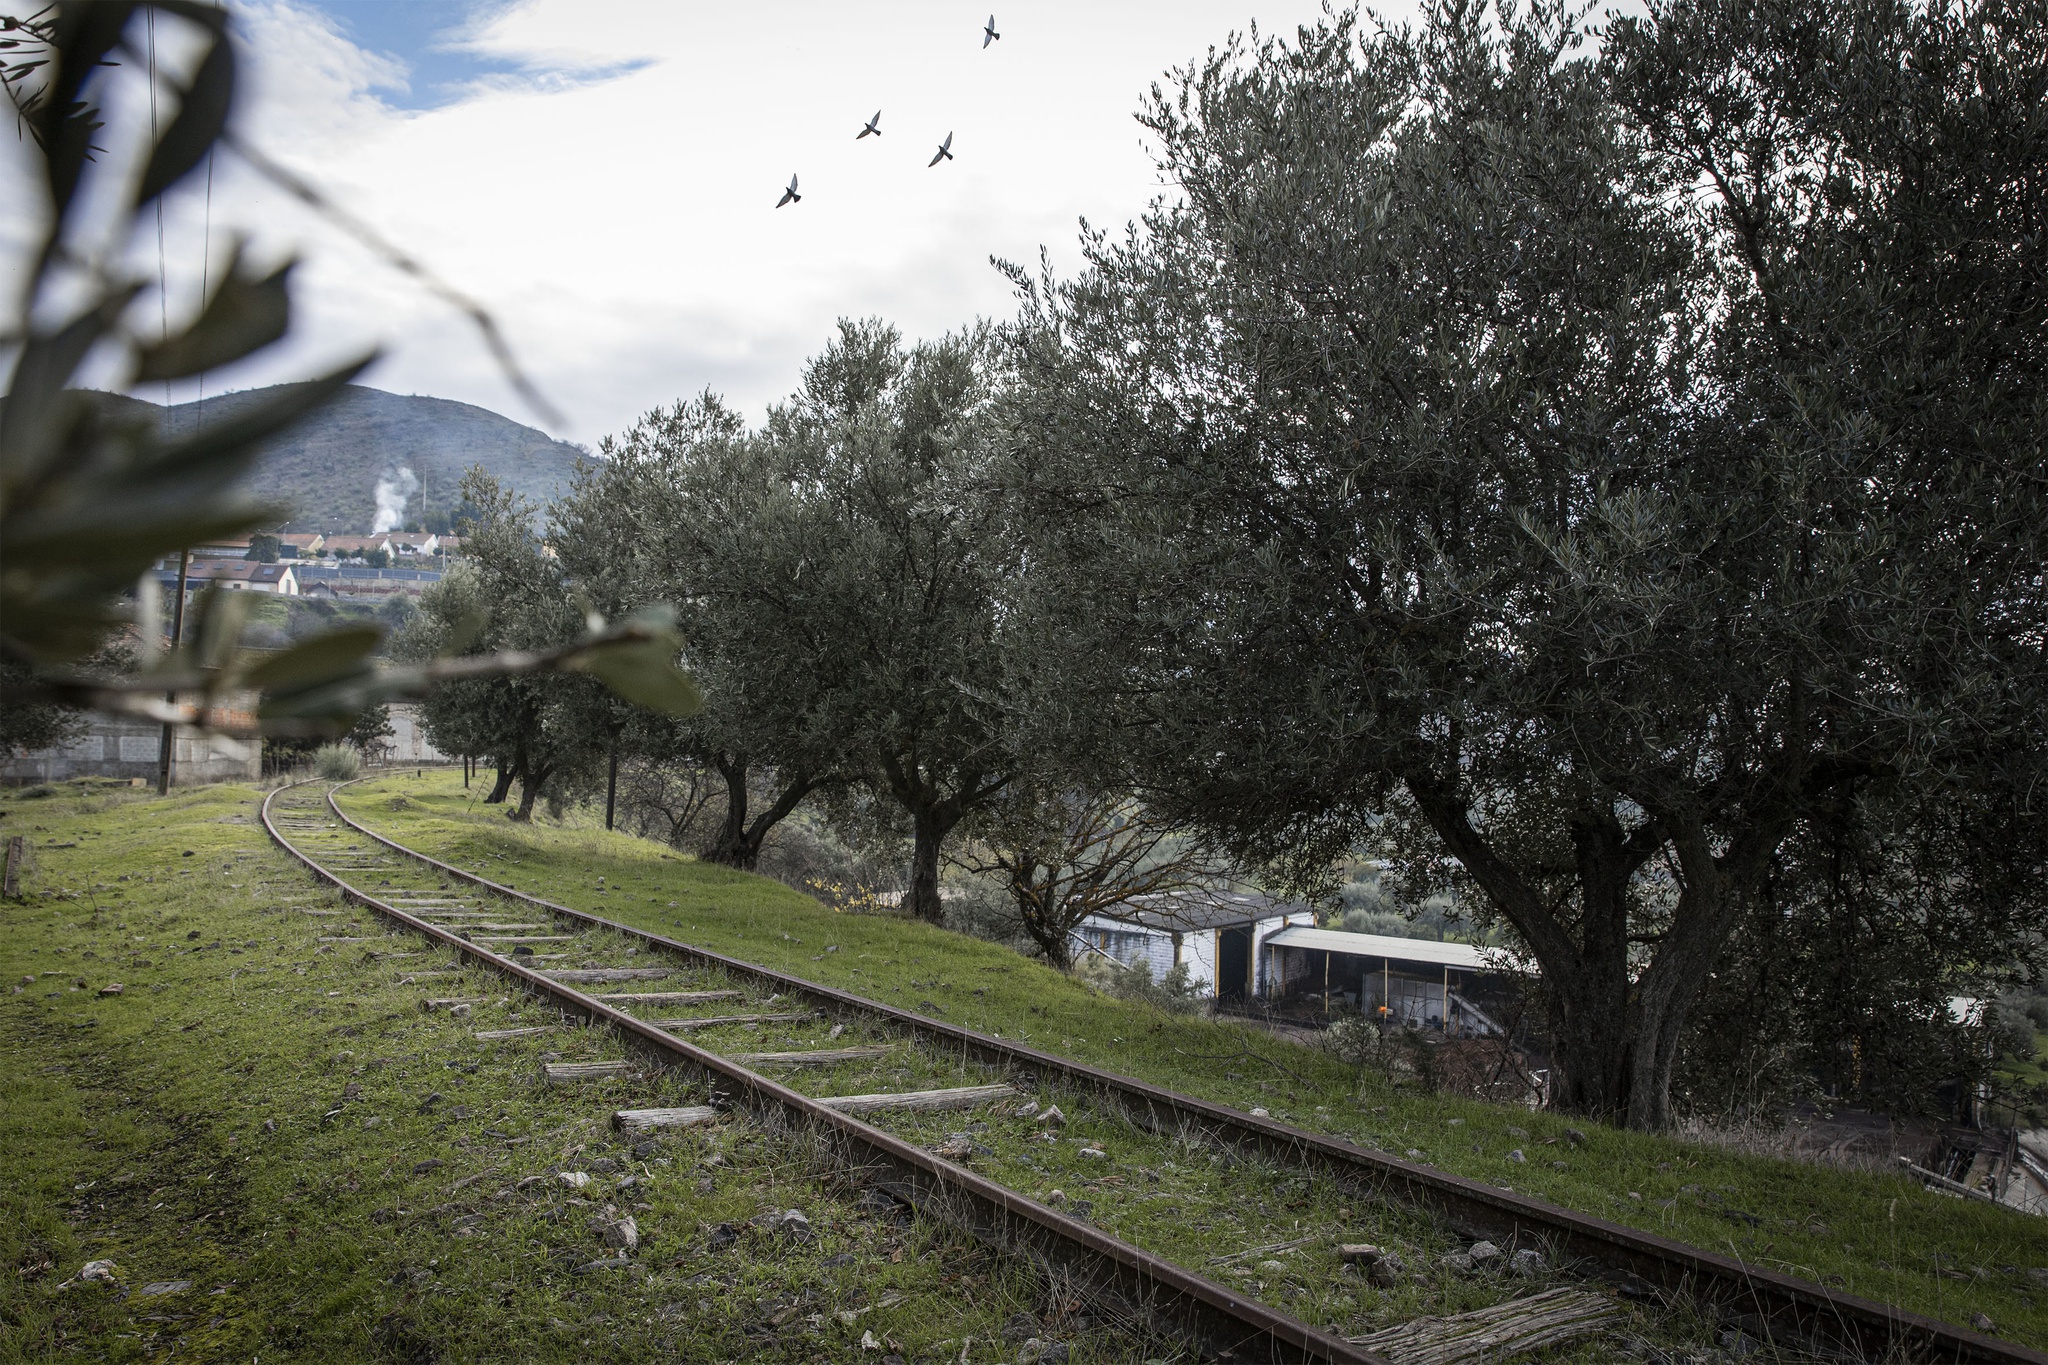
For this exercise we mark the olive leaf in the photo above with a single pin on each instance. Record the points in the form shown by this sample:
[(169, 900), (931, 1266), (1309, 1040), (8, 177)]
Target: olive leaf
[(61, 123), (325, 655), (202, 114), (645, 673), (244, 315)]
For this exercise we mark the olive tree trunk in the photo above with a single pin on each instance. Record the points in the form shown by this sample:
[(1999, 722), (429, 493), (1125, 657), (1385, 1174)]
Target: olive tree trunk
[(739, 840)]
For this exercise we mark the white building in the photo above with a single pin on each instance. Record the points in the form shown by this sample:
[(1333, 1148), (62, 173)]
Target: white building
[(1217, 935), (413, 544), (409, 742), (1458, 988), (233, 575), (354, 547)]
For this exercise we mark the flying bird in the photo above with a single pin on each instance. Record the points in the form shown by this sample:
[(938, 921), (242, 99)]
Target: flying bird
[(945, 153), (873, 129), (988, 32), (790, 196)]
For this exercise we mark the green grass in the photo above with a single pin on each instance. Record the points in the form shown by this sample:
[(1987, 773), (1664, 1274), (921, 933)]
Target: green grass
[(1880, 1236), (338, 1174)]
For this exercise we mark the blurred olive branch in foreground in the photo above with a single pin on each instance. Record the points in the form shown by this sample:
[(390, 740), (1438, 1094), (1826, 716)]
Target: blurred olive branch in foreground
[(90, 501)]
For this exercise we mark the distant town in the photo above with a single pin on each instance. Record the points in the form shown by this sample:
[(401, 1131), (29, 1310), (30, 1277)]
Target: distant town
[(316, 564)]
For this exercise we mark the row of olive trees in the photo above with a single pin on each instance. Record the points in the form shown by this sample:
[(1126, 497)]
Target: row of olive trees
[(851, 582)]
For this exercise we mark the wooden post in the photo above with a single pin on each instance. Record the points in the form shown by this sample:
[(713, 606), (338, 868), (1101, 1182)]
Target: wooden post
[(1447, 1000), (163, 757), (1326, 980), (925, 1101), (17, 854)]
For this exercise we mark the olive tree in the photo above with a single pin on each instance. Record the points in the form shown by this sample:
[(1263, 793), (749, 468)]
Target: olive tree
[(1569, 472), (882, 479), (1062, 852), (550, 733), (689, 505)]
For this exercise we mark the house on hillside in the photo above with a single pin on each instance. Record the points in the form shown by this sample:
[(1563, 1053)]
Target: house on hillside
[(355, 547), (301, 544), (227, 547), (233, 575), (1456, 988), (1216, 935), (413, 544)]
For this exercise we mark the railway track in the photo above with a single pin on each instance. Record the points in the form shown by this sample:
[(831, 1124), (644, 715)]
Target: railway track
[(879, 1084)]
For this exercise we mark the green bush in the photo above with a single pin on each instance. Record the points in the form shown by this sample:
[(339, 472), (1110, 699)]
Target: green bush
[(1173, 992), (337, 762)]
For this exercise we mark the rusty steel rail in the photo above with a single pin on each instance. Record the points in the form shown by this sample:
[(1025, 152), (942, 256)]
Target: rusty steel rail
[(1129, 1281), (1764, 1301)]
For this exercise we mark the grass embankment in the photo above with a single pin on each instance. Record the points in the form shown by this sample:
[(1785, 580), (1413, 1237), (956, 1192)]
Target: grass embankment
[(270, 1125), (1882, 1237)]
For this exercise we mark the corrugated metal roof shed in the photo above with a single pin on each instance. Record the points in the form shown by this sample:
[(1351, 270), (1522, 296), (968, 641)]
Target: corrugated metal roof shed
[(1198, 909), (1463, 956)]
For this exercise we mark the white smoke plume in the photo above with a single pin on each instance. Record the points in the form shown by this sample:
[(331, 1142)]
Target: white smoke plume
[(392, 491)]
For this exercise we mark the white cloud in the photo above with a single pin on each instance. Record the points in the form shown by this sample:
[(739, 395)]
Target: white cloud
[(623, 228)]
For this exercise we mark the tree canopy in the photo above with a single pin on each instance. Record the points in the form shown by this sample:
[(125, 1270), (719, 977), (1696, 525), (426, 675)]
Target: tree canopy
[(689, 504), (1571, 472), (886, 452), (547, 732)]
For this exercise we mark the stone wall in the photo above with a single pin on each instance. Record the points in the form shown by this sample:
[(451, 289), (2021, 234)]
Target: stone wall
[(125, 748)]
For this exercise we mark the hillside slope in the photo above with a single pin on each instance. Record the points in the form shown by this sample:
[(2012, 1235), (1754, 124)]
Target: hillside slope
[(327, 469)]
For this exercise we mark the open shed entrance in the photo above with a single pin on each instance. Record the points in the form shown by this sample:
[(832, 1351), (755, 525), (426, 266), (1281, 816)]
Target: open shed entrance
[(1234, 963)]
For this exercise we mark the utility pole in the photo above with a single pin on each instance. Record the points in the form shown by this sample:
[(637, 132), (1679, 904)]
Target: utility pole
[(163, 758), (611, 783)]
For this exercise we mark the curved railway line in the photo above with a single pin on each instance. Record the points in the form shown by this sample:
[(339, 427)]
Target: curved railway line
[(856, 1087)]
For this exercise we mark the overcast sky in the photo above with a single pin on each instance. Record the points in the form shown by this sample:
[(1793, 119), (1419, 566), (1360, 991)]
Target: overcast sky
[(602, 174)]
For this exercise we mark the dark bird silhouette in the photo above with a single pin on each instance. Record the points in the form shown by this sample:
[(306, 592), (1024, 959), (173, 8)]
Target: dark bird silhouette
[(988, 33), (790, 196), (873, 129), (945, 153)]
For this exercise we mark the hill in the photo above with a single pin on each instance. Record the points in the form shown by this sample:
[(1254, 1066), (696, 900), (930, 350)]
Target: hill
[(327, 469)]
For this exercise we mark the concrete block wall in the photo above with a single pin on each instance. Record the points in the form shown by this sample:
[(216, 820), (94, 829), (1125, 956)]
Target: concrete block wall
[(124, 748)]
